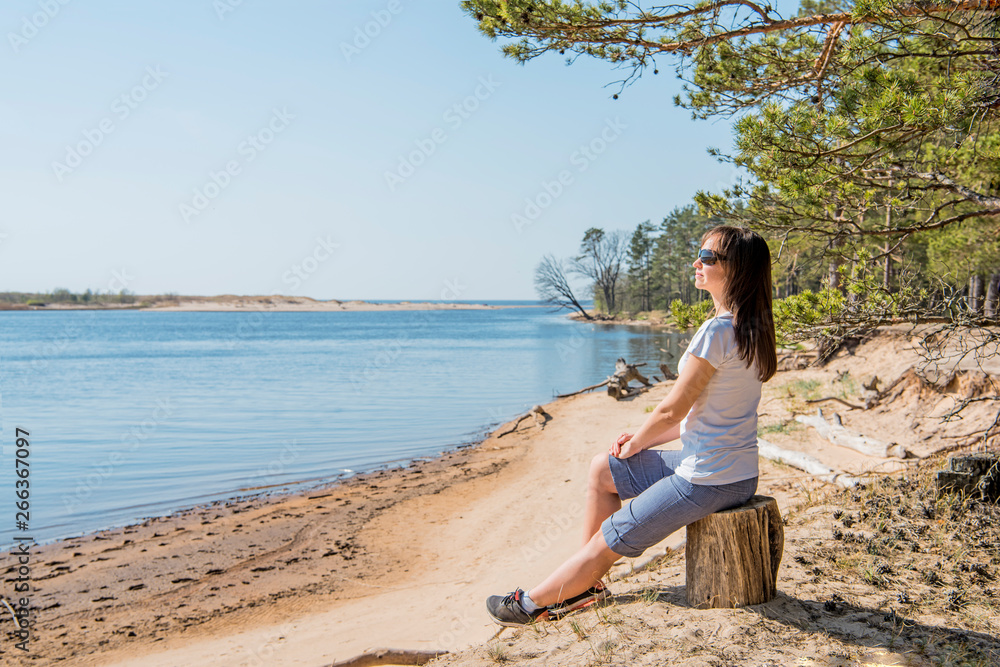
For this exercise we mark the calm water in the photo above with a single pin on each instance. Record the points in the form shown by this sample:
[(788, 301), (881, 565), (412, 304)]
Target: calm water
[(136, 414)]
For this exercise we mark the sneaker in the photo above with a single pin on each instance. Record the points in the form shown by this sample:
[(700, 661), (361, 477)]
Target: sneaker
[(590, 596), (507, 610)]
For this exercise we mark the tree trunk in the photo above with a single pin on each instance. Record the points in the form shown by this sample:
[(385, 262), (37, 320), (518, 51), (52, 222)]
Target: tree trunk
[(732, 556), (833, 273), (992, 306), (976, 294), (791, 282), (646, 294), (833, 268), (853, 298), (887, 267)]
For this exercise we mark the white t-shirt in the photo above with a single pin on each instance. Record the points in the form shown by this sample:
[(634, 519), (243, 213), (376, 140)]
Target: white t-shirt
[(719, 434)]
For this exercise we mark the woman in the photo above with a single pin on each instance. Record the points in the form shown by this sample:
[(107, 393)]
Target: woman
[(712, 408)]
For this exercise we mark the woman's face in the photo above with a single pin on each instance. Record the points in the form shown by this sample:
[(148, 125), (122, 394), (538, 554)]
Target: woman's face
[(710, 277)]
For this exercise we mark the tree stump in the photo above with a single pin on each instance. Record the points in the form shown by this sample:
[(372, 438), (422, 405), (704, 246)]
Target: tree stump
[(971, 475), (733, 555)]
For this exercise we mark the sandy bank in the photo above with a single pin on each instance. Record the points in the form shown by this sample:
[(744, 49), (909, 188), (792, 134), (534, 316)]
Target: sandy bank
[(234, 303), (406, 558), (229, 303), (660, 319)]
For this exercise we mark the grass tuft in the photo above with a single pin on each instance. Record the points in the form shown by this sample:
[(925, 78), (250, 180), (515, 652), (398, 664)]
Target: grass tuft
[(497, 653), (650, 595)]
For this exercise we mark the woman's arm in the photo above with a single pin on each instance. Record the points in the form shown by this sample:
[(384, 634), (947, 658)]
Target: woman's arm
[(663, 424)]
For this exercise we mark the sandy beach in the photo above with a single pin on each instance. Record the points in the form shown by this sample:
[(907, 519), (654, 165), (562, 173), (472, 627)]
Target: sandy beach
[(405, 558)]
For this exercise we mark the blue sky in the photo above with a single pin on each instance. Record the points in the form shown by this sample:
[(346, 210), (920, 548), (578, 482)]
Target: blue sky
[(204, 147)]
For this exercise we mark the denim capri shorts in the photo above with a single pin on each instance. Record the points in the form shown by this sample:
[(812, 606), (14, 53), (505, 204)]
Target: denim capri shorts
[(662, 502)]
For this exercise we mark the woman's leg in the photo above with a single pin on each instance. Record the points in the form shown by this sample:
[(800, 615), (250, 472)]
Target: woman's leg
[(592, 561), (602, 498), (670, 504), (658, 511), (581, 571)]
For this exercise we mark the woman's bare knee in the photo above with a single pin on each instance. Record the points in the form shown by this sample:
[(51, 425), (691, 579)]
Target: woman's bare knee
[(600, 475)]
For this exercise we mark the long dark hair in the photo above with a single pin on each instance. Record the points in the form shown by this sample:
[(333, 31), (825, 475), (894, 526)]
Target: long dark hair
[(748, 294)]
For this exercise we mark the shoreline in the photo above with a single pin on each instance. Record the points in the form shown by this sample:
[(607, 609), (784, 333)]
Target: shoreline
[(399, 558), (266, 494), (653, 320)]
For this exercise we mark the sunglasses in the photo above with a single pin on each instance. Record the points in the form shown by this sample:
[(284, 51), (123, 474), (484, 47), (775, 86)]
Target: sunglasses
[(708, 257)]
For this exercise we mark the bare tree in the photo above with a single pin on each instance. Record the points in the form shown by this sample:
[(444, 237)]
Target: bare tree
[(552, 286), (601, 261)]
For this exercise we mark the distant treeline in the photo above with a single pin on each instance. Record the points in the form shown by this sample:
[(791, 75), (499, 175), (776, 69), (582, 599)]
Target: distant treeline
[(64, 296)]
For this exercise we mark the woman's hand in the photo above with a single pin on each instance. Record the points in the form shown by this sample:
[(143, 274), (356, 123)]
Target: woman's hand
[(664, 423), (619, 448)]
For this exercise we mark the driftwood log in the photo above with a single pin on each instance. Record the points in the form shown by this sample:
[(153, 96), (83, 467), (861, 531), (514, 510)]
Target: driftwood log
[(581, 391), (807, 463), (624, 373), (618, 383), (732, 556), (836, 433), (852, 406), (796, 360), (539, 414)]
